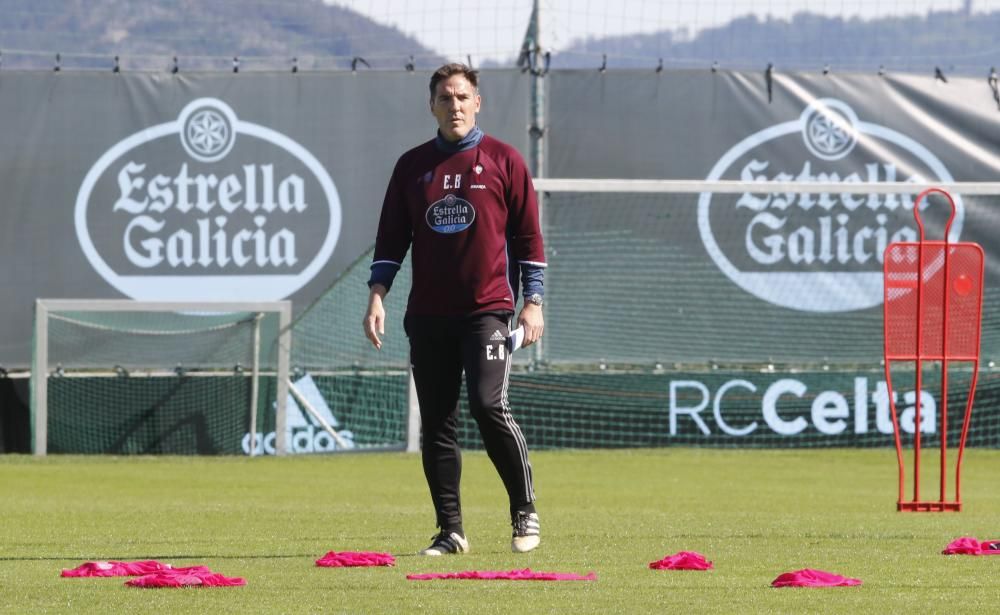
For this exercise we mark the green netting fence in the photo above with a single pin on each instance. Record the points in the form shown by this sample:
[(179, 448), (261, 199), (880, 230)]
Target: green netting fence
[(648, 343)]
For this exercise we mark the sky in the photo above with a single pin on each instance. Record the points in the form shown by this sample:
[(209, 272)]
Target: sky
[(494, 29)]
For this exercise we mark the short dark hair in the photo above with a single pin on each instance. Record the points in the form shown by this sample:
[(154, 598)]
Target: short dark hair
[(455, 68)]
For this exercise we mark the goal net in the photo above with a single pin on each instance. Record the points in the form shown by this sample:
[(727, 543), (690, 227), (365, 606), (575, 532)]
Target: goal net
[(719, 313), (367, 391), (133, 377)]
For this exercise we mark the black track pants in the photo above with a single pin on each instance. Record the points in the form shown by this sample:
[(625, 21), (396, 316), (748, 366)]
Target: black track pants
[(440, 349)]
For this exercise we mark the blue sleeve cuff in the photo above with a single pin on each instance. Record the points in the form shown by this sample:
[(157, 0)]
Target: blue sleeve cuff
[(532, 279), (383, 272)]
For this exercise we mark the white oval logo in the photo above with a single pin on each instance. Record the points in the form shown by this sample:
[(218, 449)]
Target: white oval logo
[(208, 207), (816, 252), (449, 215)]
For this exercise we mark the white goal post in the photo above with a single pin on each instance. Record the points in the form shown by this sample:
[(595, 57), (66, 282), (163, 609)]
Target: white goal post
[(48, 309)]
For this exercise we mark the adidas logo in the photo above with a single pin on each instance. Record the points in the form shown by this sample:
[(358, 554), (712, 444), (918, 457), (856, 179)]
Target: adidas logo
[(498, 337), (305, 435)]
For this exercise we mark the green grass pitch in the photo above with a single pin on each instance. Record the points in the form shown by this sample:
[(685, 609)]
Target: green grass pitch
[(755, 513)]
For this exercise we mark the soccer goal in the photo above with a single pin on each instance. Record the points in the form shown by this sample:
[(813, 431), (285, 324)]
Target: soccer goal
[(136, 377)]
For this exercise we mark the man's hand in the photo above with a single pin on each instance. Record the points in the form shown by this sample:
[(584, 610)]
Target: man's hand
[(533, 322), (374, 321)]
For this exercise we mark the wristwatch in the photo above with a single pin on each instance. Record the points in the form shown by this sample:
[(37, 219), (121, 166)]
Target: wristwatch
[(535, 299)]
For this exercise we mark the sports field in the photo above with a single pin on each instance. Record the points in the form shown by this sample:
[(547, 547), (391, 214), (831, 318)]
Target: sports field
[(756, 514)]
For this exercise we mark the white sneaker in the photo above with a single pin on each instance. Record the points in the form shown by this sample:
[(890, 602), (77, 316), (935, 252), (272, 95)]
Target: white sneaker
[(446, 543), (527, 532)]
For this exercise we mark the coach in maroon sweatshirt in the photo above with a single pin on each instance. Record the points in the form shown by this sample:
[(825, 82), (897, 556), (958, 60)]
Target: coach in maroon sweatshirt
[(464, 202)]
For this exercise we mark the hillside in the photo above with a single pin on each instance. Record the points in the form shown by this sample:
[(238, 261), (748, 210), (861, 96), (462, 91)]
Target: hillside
[(265, 33), (950, 40)]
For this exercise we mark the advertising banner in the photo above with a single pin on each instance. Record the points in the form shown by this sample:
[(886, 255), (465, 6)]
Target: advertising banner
[(760, 276), (208, 186), (742, 409)]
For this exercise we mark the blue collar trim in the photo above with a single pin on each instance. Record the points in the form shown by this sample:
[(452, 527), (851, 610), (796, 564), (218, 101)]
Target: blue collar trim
[(467, 142)]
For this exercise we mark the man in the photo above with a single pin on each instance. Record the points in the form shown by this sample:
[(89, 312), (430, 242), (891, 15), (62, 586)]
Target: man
[(466, 203)]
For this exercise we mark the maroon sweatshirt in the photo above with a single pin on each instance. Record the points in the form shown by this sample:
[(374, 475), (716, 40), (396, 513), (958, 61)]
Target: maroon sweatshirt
[(472, 219)]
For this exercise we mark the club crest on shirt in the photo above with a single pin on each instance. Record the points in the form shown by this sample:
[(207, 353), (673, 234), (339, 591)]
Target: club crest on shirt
[(451, 214)]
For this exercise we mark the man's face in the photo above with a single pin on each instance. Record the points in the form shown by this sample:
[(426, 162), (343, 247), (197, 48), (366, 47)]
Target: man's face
[(455, 105)]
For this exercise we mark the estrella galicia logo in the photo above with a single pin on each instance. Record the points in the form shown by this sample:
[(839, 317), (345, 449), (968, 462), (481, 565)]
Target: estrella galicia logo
[(451, 214), (208, 207), (817, 252)]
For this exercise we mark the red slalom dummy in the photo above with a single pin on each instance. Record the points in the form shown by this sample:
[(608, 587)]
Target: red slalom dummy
[(966, 545), (684, 560), (195, 576), (115, 569), (347, 559), (808, 577), (511, 575)]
